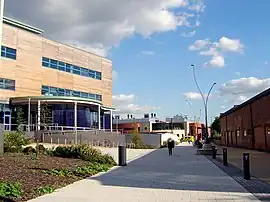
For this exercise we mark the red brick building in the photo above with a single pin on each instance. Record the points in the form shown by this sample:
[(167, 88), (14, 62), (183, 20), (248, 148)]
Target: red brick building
[(248, 125)]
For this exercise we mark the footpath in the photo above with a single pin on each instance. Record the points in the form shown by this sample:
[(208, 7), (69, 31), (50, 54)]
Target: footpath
[(157, 177)]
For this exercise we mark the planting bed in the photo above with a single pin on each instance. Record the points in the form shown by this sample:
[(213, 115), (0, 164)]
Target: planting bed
[(31, 173)]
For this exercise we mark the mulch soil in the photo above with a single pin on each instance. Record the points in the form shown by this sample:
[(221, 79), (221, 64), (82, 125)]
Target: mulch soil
[(30, 172)]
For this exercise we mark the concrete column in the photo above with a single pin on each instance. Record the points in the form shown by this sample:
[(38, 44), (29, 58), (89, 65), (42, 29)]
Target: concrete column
[(98, 117), (29, 114), (111, 121), (38, 121), (104, 119), (75, 122)]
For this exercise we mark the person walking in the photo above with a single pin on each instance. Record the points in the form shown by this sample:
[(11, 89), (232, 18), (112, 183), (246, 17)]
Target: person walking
[(170, 146)]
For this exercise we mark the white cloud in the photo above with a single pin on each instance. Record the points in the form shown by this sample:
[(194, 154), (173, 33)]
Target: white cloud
[(198, 23), (147, 53), (216, 61), (223, 107), (240, 90), (237, 73), (199, 45), (266, 63), (195, 95), (125, 104), (192, 96), (100, 25), (200, 7), (230, 45), (189, 34), (217, 49)]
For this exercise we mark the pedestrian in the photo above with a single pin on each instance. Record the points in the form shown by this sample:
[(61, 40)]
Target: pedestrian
[(170, 146)]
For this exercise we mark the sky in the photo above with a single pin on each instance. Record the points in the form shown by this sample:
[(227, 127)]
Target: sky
[(153, 43)]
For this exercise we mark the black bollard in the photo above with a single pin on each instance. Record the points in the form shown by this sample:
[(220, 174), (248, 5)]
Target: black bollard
[(246, 166), (122, 156), (214, 152), (225, 157)]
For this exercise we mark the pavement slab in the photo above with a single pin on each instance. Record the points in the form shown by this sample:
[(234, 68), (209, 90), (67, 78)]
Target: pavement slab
[(156, 177)]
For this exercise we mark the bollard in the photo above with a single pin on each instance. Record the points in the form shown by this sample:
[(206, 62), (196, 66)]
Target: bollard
[(214, 153), (122, 156), (246, 166), (225, 157)]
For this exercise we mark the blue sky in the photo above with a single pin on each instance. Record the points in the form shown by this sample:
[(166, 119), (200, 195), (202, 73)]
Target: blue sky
[(152, 44), (161, 79)]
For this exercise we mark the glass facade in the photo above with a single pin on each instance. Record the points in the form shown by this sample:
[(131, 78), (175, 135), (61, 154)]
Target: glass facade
[(7, 52), (54, 91), (73, 69), (63, 115)]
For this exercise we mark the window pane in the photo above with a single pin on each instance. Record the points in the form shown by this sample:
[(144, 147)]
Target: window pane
[(45, 59), (92, 96), (3, 48), (45, 64), (92, 74), (76, 93), (11, 56), (84, 72), (84, 95), (3, 54)]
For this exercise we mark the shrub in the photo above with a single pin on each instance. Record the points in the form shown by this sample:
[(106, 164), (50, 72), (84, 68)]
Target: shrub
[(29, 150), (13, 141), (41, 149), (10, 190), (44, 190), (83, 152), (83, 171)]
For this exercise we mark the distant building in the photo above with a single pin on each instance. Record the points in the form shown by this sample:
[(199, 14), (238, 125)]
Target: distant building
[(248, 125), (178, 125)]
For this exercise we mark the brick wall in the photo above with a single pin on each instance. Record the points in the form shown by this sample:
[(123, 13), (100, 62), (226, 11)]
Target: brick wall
[(237, 128)]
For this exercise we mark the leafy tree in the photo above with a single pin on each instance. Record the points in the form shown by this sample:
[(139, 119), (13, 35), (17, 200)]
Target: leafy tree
[(20, 118), (45, 114), (216, 125)]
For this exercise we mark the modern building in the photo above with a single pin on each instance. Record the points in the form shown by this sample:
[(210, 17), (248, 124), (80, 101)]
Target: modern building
[(248, 125), (52, 83)]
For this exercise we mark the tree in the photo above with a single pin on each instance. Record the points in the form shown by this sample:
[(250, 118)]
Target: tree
[(20, 118), (45, 114), (216, 125)]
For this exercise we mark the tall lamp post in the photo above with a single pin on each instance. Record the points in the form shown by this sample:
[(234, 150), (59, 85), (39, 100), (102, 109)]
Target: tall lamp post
[(205, 100)]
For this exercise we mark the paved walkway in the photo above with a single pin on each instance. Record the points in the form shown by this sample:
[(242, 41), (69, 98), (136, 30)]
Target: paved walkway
[(257, 159), (157, 177)]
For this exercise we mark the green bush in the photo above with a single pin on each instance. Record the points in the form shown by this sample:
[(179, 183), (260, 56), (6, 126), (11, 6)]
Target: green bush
[(83, 171), (83, 152), (44, 190), (41, 149), (10, 190), (13, 141), (29, 150)]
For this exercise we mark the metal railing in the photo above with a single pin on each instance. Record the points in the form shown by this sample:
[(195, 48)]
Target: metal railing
[(52, 127)]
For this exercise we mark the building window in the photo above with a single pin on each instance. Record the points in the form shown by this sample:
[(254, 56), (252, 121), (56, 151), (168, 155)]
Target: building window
[(8, 52), (73, 69), (53, 91), (7, 84)]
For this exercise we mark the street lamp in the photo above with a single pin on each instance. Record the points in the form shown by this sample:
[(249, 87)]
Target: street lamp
[(205, 100), (193, 114)]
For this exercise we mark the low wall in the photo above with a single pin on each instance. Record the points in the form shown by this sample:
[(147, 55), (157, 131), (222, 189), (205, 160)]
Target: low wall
[(96, 138)]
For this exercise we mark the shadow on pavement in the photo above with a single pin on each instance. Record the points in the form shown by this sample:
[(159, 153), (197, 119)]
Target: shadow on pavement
[(182, 171)]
